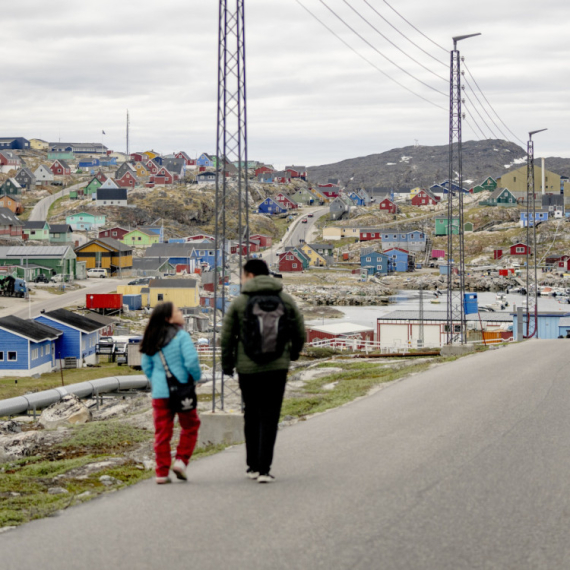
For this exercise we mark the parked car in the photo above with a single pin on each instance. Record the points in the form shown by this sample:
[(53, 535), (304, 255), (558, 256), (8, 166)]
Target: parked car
[(59, 278), (97, 272), (41, 278), (311, 215), (141, 281), (304, 221)]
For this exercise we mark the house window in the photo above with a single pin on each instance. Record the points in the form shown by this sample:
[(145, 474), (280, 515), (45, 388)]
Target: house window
[(294, 266), (368, 259), (2, 356), (114, 233), (12, 356), (520, 250)]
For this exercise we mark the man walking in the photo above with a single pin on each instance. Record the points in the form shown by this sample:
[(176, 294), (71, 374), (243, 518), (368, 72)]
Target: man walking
[(263, 331)]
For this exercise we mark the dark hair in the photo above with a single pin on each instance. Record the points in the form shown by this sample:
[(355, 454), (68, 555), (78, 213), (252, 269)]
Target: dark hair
[(256, 267), (155, 331)]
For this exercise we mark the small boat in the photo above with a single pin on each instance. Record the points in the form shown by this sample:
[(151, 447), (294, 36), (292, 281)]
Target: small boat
[(435, 301)]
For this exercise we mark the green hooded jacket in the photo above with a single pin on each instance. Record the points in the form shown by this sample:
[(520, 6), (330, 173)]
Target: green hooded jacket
[(233, 353)]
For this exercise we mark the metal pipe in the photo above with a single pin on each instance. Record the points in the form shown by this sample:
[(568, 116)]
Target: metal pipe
[(39, 400)]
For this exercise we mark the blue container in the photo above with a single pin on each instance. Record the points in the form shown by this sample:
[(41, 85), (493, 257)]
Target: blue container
[(470, 303), (133, 302)]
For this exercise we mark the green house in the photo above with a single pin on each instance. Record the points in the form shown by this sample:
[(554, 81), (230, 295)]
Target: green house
[(468, 227), (441, 226), (11, 187), (138, 238), (50, 260), (303, 196), (502, 197), (55, 155), (93, 186), (37, 231), (303, 257), (60, 233), (478, 188), (489, 184)]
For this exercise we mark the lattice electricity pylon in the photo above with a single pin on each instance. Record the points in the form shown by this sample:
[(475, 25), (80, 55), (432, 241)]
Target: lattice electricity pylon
[(232, 194), (531, 253)]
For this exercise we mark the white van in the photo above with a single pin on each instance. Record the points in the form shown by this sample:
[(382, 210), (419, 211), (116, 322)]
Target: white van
[(98, 272)]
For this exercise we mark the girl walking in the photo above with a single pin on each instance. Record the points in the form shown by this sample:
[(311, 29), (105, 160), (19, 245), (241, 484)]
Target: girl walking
[(165, 338)]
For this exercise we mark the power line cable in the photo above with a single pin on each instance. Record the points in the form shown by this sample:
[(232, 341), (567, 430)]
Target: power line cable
[(405, 36), (379, 52), (483, 94), (366, 59), (468, 112), (391, 42), (417, 30), (480, 116)]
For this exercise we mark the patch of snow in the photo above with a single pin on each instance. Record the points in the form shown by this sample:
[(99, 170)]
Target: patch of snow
[(390, 164), (405, 158), (519, 160), (468, 181), (496, 149), (507, 165)]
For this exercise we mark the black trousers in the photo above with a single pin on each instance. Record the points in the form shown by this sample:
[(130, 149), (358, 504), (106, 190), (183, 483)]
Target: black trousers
[(262, 397)]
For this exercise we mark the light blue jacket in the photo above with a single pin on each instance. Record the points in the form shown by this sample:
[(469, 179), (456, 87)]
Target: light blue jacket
[(182, 359)]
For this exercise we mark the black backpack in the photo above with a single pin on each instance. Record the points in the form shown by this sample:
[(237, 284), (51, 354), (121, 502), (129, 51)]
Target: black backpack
[(265, 330)]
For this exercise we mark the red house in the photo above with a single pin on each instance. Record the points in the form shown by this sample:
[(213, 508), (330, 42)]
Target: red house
[(520, 249), (115, 233), (10, 225), (264, 241), (101, 177), (60, 168), (8, 158), (564, 263), (367, 234), (262, 169), (128, 180), (139, 157), (388, 206), (497, 254), (151, 166), (199, 237), (288, 261), (286, 202), (187, 160), (424, 198), (281, 178), (163, 176), (330, 191)]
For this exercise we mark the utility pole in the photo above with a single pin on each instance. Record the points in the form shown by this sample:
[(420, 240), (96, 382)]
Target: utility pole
[(456, 323), (128, 125), (231, 148), (421, 339), (531, 272)]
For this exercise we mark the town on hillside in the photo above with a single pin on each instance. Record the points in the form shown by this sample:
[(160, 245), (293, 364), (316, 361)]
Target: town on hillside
[(102, 237)]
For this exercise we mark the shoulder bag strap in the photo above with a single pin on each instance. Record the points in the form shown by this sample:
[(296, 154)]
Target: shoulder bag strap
[(164, 363)]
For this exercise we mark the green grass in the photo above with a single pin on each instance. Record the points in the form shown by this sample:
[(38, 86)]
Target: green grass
[(11, 387), (55, 206)]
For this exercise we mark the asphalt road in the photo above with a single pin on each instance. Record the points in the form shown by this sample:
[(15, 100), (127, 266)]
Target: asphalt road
[(465, 466), (20, 307)]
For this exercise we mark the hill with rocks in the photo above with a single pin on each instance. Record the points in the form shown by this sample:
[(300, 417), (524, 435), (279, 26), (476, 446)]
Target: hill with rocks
[(423, 166)]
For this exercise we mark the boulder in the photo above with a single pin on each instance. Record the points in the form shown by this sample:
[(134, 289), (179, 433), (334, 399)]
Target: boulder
[(69, 410), (10, 427)]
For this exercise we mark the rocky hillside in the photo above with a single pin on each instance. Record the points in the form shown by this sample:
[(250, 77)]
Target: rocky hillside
[(425, 165)]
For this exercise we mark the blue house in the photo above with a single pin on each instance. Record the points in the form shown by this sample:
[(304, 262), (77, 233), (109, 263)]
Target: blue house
[(375, 262), (14, 143), (206, 160), (204, 254), (550, 325), (455, 187), (357, 199), (399, 260), (26, 347), (271, 206), (89, 163), (80, 335), (266, 177), (538, 217)]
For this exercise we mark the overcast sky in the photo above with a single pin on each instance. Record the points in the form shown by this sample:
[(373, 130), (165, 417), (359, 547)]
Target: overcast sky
[(71, 69)]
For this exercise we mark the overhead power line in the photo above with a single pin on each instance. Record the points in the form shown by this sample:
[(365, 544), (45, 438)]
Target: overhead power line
[(379, 52), (372, 64), (479, 114), (417, 30), (405, 36), (392, 43)]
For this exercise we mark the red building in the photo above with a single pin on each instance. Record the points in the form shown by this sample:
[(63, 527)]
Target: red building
[(262, 169), (60, 168), (367, 234), (330, 192), (288, 261), (101, 177), (264, 241), (162, 177), (187, 160), (199, 237), (343, 334), (497, 254), (388, 206), (286, 202), (115, 233), (113, 301), (128, 180), (8, 158), (151, 166), (139, 157), (520, 249), (424, 198)]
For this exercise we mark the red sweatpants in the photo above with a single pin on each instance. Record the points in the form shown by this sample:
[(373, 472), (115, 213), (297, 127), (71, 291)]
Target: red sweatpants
[(163, 427)]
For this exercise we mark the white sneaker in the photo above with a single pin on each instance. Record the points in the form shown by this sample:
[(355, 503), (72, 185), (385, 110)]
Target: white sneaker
[(265, 478), (163, 480), (179, 469), (252, 474)]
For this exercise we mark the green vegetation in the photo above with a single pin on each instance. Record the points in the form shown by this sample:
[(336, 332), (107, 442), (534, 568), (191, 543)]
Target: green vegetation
[(10, 387)]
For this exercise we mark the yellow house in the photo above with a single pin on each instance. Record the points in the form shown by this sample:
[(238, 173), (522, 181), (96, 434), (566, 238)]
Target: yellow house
[(131, 289), (315, 259), (415, 191), (515, 181), (332, 233), (107, 253), (182, 292), (151, 154), (351, 233), (142, 172), (139, 238), (38, 144)]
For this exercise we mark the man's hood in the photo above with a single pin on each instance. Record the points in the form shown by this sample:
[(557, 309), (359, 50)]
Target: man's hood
[(262, 283)]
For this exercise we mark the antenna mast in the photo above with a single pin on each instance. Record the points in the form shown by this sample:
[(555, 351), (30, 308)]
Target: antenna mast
[(128, 125)]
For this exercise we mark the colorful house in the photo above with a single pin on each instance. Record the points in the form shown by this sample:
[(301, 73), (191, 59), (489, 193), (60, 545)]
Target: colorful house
[(92, 187), (111, 197), (368, 234), (35, 231), (290, 261), (442, 224), (502, 197), (25, 178), (60, 168), (264, 241), (60, 260), (11, 187), (79, 338), (489, 184), (286, 201), (43, 174), (388, 206), (271, 206), (424, 198), (26, 347), (182, 292), (520, 249), (207, 160), (85, 221), (374, 262), (116, 232), (60, 233), (297, 171), (400, 260), (106, 253), (109, 184), (263, 169), (539, 217), (11, 204), (127, 180), (315, 259), (140, 238)]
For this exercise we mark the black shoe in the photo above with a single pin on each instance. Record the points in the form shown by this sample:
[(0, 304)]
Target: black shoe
[(265, 478)]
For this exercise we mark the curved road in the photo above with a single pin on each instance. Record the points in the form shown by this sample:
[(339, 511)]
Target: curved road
[(41, 209), (460, 467)]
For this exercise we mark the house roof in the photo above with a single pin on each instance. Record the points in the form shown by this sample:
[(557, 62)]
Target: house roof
[(146, 264), (340, 328), (102, 319), (442, 316), (60, 228), (107, 242), (28, 225), (166, 250), (34, 251), (497, 192), (182, 283), (62, 162), (112, 194), (74, 320), (32, 330), (7, 217), (26, 171)]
